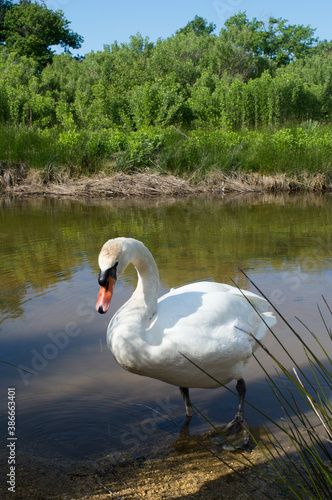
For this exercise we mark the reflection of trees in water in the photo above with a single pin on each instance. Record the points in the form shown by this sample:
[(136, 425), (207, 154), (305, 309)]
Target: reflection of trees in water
[(45, 241)]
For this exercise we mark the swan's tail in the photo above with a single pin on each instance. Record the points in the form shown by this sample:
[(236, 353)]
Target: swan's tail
[(261, 306), (269, 320)]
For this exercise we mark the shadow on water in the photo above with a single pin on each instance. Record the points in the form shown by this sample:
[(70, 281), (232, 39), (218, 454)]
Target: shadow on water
[(82, 427), (77, 402)]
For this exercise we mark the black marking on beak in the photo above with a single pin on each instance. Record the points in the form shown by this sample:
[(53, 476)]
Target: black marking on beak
[(101, 310), (104, 275)]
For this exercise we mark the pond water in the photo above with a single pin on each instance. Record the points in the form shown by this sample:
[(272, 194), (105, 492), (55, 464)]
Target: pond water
[(76, 402)]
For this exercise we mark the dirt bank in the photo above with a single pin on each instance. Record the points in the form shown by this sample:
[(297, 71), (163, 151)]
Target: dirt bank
[(21, 182)]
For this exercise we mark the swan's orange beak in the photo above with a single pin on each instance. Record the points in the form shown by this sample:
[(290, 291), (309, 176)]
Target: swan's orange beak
[(105, 295)]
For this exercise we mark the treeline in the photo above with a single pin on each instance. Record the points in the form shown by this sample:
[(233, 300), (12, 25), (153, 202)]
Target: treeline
[(141, 103)]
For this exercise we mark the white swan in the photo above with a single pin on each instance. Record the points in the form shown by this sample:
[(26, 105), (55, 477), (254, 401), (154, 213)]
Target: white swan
[(203, 322)]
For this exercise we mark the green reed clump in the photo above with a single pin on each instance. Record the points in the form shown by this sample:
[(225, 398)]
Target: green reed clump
[(26, 145), (305, 469), (298, 449), (291, 149), (300, 149), (62, 148), (202, 150), (140, 148)]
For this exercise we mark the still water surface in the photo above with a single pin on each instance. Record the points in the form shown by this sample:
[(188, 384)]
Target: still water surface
[(76, 402)]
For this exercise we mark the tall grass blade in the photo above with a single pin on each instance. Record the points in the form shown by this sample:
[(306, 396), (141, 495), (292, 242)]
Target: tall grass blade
[(304, 470)]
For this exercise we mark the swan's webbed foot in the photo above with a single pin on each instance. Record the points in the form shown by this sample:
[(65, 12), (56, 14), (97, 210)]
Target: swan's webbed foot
[(235, 435), (235, 426)]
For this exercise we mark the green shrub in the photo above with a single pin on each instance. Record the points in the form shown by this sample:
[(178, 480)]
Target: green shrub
[(29, 146), (290, 149), (141, 147)]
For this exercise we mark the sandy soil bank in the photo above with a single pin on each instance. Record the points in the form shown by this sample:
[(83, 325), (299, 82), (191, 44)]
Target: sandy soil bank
[(187, 471)]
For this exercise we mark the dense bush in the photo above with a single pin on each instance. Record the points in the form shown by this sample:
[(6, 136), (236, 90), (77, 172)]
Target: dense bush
[(121, 105)]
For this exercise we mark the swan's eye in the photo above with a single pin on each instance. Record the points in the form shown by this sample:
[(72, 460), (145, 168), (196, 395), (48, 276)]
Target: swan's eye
[(109, 273)]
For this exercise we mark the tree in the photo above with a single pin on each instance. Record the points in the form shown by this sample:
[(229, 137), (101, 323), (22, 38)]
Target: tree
[(199, 26), (240, 48), (285, 43), (5, 6), (250, 47), (279, 42), (128, 62), (31, 29)]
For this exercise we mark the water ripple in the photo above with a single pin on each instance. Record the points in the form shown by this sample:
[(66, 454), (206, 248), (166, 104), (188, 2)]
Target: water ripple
[(80, 428)]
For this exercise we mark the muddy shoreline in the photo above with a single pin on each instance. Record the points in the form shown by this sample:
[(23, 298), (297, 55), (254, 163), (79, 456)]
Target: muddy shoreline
[(24, 183)]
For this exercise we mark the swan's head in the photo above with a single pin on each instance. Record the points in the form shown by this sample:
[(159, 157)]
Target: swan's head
[(114, 257)]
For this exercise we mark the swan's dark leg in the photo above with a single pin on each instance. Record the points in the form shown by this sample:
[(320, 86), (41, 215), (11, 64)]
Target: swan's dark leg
[(236, 423), (189, 409), (238, 436)]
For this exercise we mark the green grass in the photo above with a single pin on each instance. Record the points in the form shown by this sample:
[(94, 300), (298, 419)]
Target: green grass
[(306, 401), (293, 150), (298, 449)]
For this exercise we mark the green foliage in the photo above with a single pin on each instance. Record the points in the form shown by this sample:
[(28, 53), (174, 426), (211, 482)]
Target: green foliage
[(5, 6), (119, 104), (30, 29), (27, 145), (140, 148), (128, 62), (16, 83), (199, 26), (84, 150), (240, 48), (287, 150), (285, 43), (158, 102), (278, 41), (262, 101), (184, 55)]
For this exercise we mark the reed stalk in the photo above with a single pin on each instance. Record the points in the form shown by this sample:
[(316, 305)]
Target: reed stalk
[(298, 448)]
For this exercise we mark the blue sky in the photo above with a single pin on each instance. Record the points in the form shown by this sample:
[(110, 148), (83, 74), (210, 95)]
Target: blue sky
[(104, 21)]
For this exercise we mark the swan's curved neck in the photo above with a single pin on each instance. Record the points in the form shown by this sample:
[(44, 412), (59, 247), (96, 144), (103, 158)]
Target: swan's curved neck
[(146, 292)]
